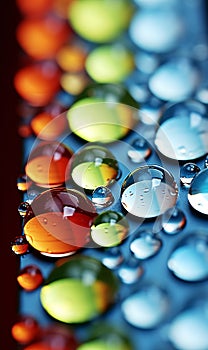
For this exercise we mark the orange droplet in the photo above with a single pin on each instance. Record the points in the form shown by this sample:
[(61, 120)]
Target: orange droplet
[(30, 278), (41, 38), (37, 83), (25, 329), (47, 127), (35, 8), (71, 58), (24, 130)]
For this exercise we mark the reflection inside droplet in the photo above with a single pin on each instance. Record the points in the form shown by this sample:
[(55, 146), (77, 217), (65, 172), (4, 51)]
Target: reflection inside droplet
[(183, 131), (146, 308), (145, 244), (173, 221), (198, 192), (189, 260), (149, 191), (102, 197)]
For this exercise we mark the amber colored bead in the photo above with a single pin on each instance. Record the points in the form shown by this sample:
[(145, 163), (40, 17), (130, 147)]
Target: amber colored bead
[(37, 83), (20, 245), (30, 278), (35, 8), (41, 38), (25, 329), (71, 58), (48, 164), (47, 127)]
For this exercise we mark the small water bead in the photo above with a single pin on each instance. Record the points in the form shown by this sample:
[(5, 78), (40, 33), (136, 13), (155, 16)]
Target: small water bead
[(48, 164), (103, 113), (187, 173), (145, 244), (174, 80), (109, 229), (189, 329), (74, 83), (93, 166), (54, 337), (130, 271), (99, 21), (25, 329), (20, 245), (22, 208), (182, 133), (58, 222), (189, 259), (22, 183), (30, 277), (206, 161), (149, 191), (198, 192), (140, 150), (146, 308), (112, 258), (102, 197), (110, 63), (79, 290), (173, 221), (156, 30)]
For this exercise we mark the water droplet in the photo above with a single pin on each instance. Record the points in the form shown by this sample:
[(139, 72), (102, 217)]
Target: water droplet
[(22, 208), (189, 261), (102, 197), (109, 229), (206, 161), (20, 245), (183, 131), (153, 202), (112, 258), (103, 113), (198, 192), (30, 278), (140, 150), (156, 30), (189, 329), (52, 233), (187, 173), (22, 183), (174, 80), (130, 271), (145, 244), (25, 329), (69, 286), (31, 195), (89, 174), (146, 308), (173, 221), (47, 165)]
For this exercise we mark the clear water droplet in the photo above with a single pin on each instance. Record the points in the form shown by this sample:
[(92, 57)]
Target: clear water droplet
[(198, 192), (102, 197), (183, 131), (22, 208), (189, 259), (145, 244), (156, 30), (109, 229), (174, 80), (140, 150), (187, 173), (146, 308), (173, 221), (189, 329), (153, 202), (113, 258), (31, 195), (130, 271)]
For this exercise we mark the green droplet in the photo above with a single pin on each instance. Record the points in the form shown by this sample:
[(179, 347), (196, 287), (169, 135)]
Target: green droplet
[(103, 113), (100, 21), (79, 290), (109, 64)]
